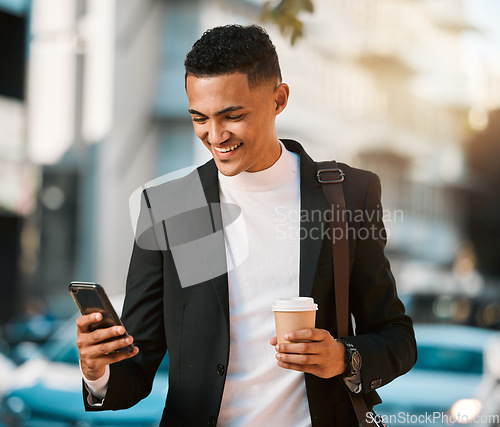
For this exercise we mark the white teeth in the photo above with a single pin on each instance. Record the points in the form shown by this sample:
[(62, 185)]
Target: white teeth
[(227, 149)]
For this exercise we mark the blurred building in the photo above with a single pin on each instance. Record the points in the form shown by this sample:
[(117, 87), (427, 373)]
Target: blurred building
[(382, 85), (390, 75), (17, 175)]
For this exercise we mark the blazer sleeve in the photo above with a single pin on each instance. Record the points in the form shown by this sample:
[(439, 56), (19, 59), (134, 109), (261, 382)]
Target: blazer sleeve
[(384, 333), (131, 380)]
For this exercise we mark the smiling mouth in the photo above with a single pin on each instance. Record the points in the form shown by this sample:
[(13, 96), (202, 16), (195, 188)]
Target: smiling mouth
[(227, 149)]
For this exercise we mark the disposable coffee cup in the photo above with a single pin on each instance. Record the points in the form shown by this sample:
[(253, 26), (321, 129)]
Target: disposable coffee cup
[(293, 314)]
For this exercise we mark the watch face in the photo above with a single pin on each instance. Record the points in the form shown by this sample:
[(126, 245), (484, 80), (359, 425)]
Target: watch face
[(356, 361)]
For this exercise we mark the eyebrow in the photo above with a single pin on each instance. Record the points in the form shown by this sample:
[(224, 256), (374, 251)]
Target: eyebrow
[(225, 110)]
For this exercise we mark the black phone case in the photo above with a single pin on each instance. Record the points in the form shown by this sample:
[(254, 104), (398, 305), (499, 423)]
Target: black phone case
[(91, 298)]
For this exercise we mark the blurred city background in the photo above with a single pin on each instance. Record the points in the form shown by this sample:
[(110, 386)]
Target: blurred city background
[(92, 105)]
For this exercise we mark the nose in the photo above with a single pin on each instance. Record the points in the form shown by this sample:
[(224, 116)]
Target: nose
[(217, 134)]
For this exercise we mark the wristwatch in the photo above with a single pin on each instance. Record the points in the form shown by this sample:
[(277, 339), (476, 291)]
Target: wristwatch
[(352, 358)]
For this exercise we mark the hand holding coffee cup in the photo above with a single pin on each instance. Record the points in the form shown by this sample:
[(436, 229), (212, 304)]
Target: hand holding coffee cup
[(308, 349), (293, 314)]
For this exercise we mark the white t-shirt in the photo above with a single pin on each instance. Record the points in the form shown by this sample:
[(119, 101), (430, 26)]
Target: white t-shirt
[(265, 243)]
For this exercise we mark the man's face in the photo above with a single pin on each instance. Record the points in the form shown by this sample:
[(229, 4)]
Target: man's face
[(236, 123)]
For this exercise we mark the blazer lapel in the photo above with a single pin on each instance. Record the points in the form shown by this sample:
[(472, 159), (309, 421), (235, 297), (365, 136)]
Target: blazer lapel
[(312, 208), (210, 183)]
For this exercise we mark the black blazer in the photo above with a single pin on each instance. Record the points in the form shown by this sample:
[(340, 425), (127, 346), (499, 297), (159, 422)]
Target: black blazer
[(192, 323)]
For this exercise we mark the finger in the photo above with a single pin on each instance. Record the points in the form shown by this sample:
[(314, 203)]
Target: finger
[(95, 338), (83, 322), (273, 341), (298, 348), (121, 355), (106, 348), (312, 334), (297, 359), (103, 334)]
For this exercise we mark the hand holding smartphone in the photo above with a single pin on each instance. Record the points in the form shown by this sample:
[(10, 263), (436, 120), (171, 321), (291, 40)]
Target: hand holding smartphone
[(91, 298)]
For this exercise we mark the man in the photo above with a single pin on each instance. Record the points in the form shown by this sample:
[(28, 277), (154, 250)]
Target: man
[(217, 332)]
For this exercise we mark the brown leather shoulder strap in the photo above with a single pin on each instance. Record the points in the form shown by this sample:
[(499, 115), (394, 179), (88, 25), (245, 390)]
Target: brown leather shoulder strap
[(331, 176)]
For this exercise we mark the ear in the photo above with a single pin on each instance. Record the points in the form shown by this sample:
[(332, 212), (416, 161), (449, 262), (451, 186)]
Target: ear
[(281, 94)]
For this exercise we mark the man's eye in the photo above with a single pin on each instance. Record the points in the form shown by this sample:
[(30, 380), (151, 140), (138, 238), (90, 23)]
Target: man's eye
[(235, 118), (199, 119)]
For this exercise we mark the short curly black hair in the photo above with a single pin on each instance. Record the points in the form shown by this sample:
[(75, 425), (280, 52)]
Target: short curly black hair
[(235, 48)]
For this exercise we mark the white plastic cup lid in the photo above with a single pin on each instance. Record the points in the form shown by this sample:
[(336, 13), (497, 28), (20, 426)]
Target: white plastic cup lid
[(295, 304)]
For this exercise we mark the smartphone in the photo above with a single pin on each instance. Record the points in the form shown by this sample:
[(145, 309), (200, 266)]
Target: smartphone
[(91, 298)]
